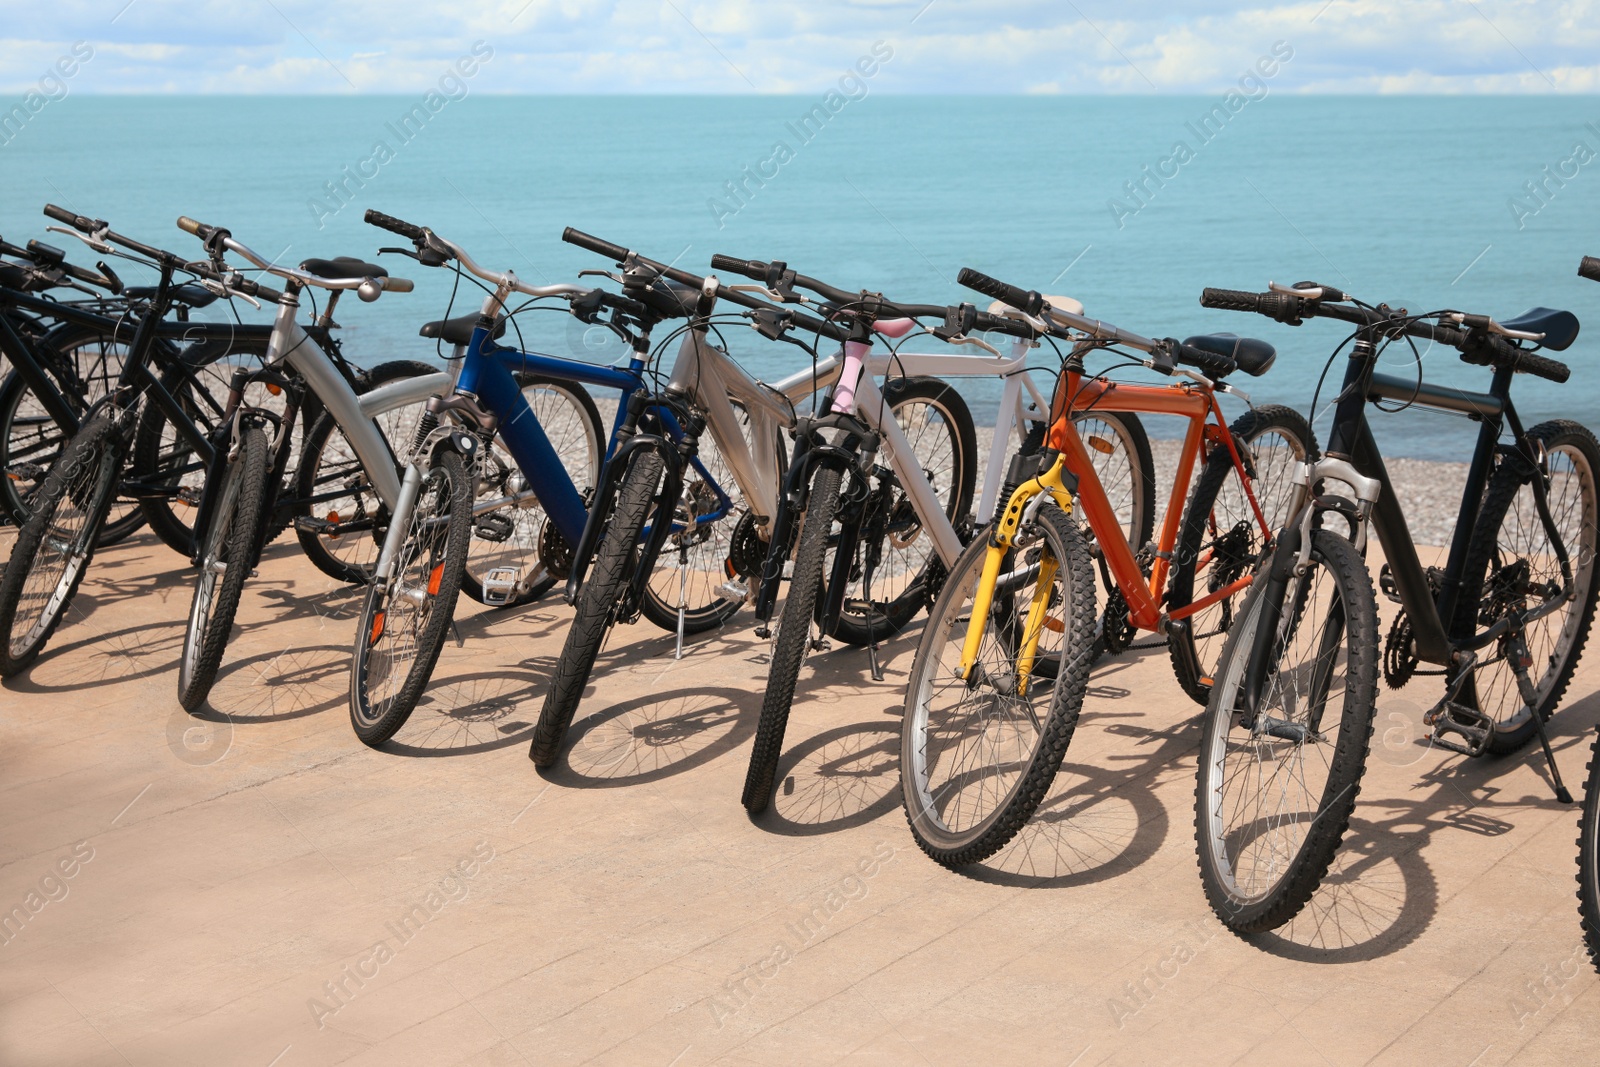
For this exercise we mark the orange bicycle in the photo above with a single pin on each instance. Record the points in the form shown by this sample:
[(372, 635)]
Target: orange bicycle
[(1001, 671)]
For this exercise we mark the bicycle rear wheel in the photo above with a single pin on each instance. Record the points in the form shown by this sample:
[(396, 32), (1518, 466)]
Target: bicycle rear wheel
[(792, 639), (1274, 795), (938, 426), (978, 754), (57, 543), (1221, 541), (614, 562), (225, 564), (406, 616), (1511, 564)]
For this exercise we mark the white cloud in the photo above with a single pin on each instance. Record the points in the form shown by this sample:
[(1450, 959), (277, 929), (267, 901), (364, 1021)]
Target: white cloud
[(734, 46)]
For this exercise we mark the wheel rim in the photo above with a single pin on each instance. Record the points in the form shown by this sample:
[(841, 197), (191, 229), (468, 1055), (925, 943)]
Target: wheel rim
[(397, 614), (1265, 793), (1522, 537), (972, 745)]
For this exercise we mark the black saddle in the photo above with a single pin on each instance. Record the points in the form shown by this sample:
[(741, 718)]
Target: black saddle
[(1560, 328), (342, 268), (458, 331), (189, 294), (1252, 356)]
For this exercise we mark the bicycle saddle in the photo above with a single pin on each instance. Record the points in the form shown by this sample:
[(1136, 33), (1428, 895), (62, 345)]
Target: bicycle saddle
[(342, 268), (1252, 356), (1560, 328), (458, 331), (190, 294)]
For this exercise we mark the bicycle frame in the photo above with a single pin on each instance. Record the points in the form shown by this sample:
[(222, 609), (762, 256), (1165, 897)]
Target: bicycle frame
[(1196, 404)]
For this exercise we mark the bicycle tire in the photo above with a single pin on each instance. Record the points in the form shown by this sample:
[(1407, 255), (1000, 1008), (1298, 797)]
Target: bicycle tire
[(310, 475), (382, 697), (862, 623), (232, 542), (1353, 604), (1589, 857), (81, 384), (932, 808), (83, 477), (1230, 555), (792, 639), (1505, 501), (614, 561)]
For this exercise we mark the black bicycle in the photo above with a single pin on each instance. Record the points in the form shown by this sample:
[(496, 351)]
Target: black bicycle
[(1503, 622), (57, 542)]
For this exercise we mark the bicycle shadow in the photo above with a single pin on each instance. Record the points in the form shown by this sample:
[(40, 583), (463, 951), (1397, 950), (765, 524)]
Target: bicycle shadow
[(298, 681), (656, 736), (473, 711), (841, 778), (1380, 893)]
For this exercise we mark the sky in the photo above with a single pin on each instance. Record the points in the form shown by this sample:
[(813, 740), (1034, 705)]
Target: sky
[(778, 46)]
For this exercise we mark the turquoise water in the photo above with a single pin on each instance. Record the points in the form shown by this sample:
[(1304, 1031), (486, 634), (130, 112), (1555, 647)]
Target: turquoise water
[(1400, 199)]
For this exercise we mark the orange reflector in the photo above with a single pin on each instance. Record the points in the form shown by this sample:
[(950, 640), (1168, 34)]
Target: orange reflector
[(377, 629), (435, 579), (727, 567), (1100, 444), (14, 477), (333, 516), (1054, 625), (275, 390), (1204, 680)]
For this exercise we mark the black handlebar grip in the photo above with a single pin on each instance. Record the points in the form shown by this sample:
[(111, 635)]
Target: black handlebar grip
[(405, 229), (81, 223), (1552, 370), (1026, 301), (1230, 300), (594, 244), (1590, 268), (750, 268), (1209, 363)]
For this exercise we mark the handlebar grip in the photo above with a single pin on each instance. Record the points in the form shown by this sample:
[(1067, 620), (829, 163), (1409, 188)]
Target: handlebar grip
[(398, 285), (188, 225), (1026, 301), (407, 230), (1209, 363), (81, 223), (1230, 300), (1551, 370), (1590, 268), (750, 268), (594, 244)]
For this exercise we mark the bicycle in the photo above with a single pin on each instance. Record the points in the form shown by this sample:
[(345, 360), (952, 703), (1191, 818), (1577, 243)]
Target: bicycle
[(1287, 729), (66, 355), (995, 691), (244, 496)]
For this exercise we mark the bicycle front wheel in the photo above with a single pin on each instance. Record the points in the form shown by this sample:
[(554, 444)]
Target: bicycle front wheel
[(1275, 790), (1512, 566), (225, 563), (407, 612), (978, 752), (614, 562), (1589, 857), (57, 543), (792, 640)]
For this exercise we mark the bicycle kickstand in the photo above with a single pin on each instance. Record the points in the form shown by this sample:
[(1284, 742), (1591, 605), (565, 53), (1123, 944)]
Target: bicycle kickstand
[(1530, 696)]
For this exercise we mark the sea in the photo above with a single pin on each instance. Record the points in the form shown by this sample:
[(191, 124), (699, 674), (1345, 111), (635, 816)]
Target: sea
[(1130, 204)]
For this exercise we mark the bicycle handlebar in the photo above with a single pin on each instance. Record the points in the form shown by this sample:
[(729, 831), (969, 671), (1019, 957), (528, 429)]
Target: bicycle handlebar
[(1590, 268), (625, 257), (1028, 302), (776, 275), (397, 226), (1292, 310)]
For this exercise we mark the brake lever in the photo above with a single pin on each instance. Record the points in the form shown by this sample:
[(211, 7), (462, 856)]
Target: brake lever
[(791, 297), (601, 273), (97, 243), (224, 290), (964, 340), (401, 252)]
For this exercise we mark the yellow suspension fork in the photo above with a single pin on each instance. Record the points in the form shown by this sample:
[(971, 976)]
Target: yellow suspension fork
[(1000, 541)]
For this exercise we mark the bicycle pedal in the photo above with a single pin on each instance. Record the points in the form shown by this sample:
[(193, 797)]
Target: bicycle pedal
[(1472, 725), (734, 591), (500, 586), (493, 527)]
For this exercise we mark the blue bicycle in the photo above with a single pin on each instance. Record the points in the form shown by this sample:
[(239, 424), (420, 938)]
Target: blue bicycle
[(486, 429)]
